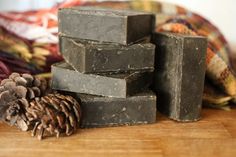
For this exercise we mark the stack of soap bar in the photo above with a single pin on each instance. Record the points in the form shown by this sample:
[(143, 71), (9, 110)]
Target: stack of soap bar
[(90, 56), (105, 25), (179, 76), (109, 63)]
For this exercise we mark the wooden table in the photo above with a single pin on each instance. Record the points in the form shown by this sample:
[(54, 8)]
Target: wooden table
[(214, 135)]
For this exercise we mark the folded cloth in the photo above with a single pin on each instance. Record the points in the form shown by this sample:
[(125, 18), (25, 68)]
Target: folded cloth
[(32, 37)]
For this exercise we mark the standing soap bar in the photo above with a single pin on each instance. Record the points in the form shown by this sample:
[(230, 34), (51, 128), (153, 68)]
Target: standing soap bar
[(179, 76), (109, 25), (105, 111), (93, 57), (65, 78)]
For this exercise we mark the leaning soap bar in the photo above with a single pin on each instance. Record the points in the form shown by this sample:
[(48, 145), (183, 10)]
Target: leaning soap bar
[(179, 76), (105, 111), (109, 25), (65, 78), (93, 57)]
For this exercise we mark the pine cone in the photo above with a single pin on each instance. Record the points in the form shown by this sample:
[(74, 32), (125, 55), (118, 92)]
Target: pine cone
[(55, 114), (17, 88), (51, 114)]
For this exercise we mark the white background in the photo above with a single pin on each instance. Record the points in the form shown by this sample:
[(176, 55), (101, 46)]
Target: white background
[(221, 12)]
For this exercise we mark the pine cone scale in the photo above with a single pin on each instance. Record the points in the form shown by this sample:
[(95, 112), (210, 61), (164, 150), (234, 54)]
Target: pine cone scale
[(69, 129), (22, 125), (77, 113), (51, 114), (65, 109), (3, 82), (61, 120)]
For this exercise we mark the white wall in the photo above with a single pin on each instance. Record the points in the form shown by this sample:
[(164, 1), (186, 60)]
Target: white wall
[(22, 5)]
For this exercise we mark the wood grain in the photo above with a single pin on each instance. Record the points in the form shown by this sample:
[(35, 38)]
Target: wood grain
[(214, 135)]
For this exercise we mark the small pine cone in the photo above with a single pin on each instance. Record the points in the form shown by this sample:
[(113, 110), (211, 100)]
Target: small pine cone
[(19, 87), (53, 114)]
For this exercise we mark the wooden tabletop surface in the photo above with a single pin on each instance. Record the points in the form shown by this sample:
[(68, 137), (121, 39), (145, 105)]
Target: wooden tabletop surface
[(213, 136)]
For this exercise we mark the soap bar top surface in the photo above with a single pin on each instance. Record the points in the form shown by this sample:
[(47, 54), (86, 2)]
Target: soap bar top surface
[(106, 11), (108, 25), (93, 57), (179, 75), (105, 111), (120, 85)]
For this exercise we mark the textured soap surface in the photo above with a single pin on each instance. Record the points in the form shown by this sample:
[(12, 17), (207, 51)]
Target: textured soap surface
[(93, 57), (121, 85), (118, 26), (104, 111), (179, 75)]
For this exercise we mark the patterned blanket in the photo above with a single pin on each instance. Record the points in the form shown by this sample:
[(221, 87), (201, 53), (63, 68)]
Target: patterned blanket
[(28, 43)]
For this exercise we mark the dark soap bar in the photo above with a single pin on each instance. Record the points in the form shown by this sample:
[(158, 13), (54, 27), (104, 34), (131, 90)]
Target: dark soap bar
[(93, 57), (105, 111), (65, 78), (109, 25), (179, 75)]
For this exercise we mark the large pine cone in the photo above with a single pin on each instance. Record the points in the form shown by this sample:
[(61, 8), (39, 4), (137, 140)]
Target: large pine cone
[(48, 115), (19, 87)]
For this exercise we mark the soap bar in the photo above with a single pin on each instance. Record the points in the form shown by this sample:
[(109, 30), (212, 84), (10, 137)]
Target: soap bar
[(109, 25), (120, 85), (179, 75), (93, 57), (105, 111)]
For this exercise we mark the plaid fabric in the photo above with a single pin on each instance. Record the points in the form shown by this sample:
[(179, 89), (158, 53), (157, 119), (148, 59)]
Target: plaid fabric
[(170, 18)]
